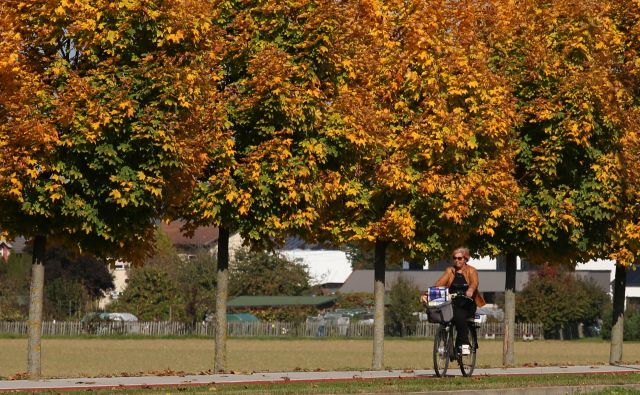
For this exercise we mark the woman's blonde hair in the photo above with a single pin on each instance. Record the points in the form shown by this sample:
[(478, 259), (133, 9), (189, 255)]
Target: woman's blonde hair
[(464, 251)]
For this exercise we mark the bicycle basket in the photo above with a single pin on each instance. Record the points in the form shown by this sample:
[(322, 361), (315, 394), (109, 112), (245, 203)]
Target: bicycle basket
[(441, 313)]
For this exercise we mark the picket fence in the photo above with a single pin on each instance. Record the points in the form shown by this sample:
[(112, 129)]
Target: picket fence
[(251, 329)]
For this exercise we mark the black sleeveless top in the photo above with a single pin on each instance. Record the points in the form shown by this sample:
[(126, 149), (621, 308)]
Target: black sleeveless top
[(459, 284)]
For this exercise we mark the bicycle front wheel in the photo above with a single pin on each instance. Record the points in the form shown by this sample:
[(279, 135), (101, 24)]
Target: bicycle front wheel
[(468, 362), (441, 348)]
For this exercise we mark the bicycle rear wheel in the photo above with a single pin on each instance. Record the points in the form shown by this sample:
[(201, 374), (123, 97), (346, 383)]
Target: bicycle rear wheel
[(441, 346), (468, 362)]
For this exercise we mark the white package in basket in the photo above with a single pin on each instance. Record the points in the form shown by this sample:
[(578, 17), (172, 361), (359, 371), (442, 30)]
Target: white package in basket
[(437, 295), (441, 313), (480, 318)]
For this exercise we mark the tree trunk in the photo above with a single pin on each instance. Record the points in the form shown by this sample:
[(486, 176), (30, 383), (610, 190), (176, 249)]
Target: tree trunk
[(222, 290), (509, 309), (378, 296), (617, 323), (34, 360)]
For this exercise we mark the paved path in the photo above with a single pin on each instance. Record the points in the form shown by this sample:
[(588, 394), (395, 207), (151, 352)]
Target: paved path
[(285, 377)]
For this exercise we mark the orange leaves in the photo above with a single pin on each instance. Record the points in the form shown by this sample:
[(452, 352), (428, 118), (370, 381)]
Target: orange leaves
[(396, 225)]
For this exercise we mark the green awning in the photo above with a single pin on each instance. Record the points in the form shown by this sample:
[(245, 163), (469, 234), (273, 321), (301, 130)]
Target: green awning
[(273, 301), (241, 317)]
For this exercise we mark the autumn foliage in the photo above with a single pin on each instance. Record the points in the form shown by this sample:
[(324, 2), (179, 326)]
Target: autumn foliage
[(119, 101), (424, 142)]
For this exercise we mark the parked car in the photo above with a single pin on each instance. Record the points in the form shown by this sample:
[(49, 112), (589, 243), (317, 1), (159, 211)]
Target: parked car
[(109, 316)]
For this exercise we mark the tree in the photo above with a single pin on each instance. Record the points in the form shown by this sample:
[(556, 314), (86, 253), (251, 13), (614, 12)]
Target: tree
[(72, 282), (562, 61), (424, 157), (556, 298), (265, 273), (14, 288), (197, 285), (65, 298), (625, 244), (151, 295), (90, 272), (194, 278), (403, 304), (261, 177), (109, 102)]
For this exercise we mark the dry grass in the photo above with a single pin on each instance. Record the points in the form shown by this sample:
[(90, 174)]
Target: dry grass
[(97, 357)]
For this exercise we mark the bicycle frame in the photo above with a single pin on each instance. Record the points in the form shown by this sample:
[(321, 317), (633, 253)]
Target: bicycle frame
[(445, 352)]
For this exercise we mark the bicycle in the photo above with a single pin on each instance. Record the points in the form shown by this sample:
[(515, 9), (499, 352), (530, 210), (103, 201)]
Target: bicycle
[(444, 350)]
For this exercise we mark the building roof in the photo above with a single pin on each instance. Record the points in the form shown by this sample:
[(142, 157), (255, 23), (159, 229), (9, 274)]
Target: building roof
[(490, 280), (273, 301), (203, 236)]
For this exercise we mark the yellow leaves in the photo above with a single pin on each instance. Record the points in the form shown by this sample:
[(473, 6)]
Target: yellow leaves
[(168, 147), (60, 10), (231, 196), (245, 204), (175, 37), (16, 192), (454, 91), (155, 191), (396, 224), (357, 138), (127, 105), (275, 222), (112, 36), (400, 105), (115, 194), (55, 196), (32, 173), (488, 228)]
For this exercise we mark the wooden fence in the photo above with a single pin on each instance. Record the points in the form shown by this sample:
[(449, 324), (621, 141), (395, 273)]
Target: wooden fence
[(250, 329)]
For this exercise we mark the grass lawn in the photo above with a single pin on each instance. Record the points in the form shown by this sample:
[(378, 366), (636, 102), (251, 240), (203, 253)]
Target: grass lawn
[(87, 357)]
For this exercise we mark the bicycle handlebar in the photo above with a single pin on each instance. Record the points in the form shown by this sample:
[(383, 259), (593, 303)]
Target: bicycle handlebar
[(453, 296)]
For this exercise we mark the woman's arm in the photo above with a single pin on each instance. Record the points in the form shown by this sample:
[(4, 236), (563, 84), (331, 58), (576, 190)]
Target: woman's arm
[(473, 282), (445, 279)]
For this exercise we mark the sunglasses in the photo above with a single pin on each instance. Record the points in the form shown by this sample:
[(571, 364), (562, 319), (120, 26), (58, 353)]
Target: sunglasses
[(458, 258)]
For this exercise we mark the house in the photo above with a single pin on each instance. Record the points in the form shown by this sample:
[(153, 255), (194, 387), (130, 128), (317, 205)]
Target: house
[(491, 281), (203, 238), (5, 250), (120, 273), (491, 273), (328, 267)]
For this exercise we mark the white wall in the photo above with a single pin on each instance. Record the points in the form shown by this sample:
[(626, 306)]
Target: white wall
[(325, 266)]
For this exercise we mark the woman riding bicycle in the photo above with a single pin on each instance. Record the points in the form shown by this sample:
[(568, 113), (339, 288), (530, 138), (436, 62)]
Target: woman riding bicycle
[(461, 279)]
